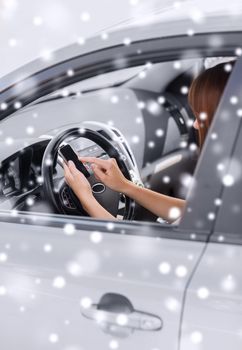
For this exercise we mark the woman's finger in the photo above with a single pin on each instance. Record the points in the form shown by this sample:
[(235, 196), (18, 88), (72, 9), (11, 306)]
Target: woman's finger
[(67, 172), (72, 167), (99, 174), (100, 162)]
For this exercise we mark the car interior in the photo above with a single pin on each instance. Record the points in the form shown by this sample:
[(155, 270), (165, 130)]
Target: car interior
[(140, 116)]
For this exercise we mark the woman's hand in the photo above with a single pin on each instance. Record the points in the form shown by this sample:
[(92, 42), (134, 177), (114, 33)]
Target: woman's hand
[(81, 187), (78, 182), (108, 172)]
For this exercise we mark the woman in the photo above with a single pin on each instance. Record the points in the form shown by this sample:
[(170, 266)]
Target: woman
[(203, 97)]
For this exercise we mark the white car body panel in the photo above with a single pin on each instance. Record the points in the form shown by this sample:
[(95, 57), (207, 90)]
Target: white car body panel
[(129, 265)]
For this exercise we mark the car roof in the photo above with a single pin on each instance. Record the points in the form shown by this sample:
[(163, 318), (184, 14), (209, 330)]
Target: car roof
[(134, 33)]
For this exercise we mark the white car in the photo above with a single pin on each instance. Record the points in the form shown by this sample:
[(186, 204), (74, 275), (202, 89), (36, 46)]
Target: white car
[(71, 282)]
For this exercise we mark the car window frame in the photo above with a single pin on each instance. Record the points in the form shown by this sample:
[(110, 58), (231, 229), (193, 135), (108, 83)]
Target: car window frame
[(207, 186), (220, 235), (161, 49)]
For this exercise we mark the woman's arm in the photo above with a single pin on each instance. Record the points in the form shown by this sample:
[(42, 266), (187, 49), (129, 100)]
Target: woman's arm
[(108, 172), (166, 207)]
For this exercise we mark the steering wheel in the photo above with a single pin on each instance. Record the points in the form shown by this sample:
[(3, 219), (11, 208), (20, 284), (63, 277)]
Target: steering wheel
[(60, 196)]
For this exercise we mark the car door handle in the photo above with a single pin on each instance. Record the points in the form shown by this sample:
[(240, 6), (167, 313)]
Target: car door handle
[(115, 312)]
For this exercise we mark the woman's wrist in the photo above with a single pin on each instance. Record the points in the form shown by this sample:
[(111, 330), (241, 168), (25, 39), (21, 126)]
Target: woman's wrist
[(95, 209), (86, 200), (128, 187)]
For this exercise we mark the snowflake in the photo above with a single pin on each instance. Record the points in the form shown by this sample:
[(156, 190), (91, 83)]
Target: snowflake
[(161, 100), (203, 293), (22, 309), (238, 51), (37, 21), (218, 202), (228, 284), (3, 257), (142, 75), (135, 139), (211, 216), (69, 229), (138, 120), (47, 55), (17, 105), (184, 90), (196, 15), (86, 303), (190, 32), (239, 113), (159, 132), (228, 180), (153, 107), (172, 304), (203, 116), (104, 36), (181, 271), (122, 319), (134, 2), (30, 130), (127, 41), (113, 344), (85, 16), (59, 282), (3, 106), (214, 136), (81, 41), (53, 338), (74, 269), (228, 67), (196, 337), (141, 104), (47, 248), (164, 268), (110, 226), (149, 65), (70, 72), (151, 144), (96, 237), (30, 201), (166, 179), (174, 213), (177, 65), (114, 99), (3, 290), (12, 42), (234, 100)]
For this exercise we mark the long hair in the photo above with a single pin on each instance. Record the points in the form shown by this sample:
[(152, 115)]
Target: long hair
[(204, 95)]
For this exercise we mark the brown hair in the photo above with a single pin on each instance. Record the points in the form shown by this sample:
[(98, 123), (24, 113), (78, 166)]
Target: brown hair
[(204, 96)]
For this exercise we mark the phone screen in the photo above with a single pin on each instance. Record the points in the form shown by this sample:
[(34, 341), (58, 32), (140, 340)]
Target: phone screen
[(68, 153)]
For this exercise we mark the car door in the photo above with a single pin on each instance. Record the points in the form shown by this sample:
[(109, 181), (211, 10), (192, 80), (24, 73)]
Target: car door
[(212, 316), (66, 287), (73, 283)]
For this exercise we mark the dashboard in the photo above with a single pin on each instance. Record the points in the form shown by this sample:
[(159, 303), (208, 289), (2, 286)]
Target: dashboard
[(20, 174)]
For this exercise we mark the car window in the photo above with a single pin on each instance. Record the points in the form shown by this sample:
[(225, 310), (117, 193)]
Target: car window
[(230, 203), (150, 130), (100, 81), (173, 136)]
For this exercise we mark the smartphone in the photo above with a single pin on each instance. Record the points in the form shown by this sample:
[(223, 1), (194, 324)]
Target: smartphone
[(67, 153)]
